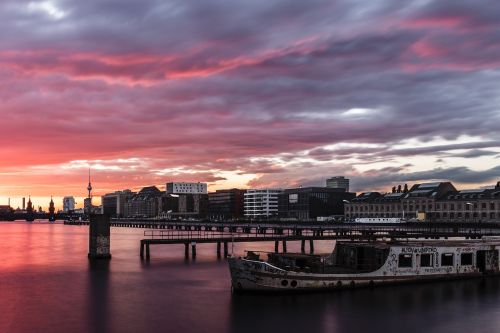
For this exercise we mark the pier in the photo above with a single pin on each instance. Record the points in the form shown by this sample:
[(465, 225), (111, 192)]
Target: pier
[(305, 235)]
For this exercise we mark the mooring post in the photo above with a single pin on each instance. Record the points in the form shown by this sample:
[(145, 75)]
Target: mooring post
[(218, 249), (284, 246), (99, 237), (303, 246), (311, 246), (225, 250), (186, 250), (276, 246), (148, 256), (193, 249)]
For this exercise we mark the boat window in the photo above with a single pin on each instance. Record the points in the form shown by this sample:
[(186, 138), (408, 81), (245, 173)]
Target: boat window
[(425, 260), (405, 260), (447, 259), (466, 259)]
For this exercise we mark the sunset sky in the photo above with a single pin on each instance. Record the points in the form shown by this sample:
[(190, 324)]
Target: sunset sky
[(246, 94)]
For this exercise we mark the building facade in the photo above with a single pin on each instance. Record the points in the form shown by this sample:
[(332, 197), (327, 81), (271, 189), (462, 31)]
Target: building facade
[(261, 203), (145, 203), (68, 204), (226, 204), (440, 202), (6, 209), (338, 182), (193, 205), (113, 204), (309, 203), (186, 188)]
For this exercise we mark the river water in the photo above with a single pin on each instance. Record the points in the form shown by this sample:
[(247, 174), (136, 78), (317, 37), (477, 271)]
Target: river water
[(47, 284)]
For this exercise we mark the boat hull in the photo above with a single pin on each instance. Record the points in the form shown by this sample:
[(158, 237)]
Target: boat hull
[(258, 275), (243, 280)]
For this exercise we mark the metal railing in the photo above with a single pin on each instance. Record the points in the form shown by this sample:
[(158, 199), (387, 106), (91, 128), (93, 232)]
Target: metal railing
[(354, 231)]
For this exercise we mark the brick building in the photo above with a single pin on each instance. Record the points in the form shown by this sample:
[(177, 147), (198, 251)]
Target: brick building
[(430, 201)]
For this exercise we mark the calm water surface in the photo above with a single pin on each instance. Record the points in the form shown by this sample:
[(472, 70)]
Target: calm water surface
[(48, 285)]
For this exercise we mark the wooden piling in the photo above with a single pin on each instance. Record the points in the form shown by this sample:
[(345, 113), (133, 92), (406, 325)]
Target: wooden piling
[(311, 246), (284, 246), (218, 249), (225, 250), (148, 256), (193, 249), (303, 246)]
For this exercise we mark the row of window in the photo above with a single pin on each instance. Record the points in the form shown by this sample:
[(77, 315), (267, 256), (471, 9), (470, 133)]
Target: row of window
[(451, 206), (482, 215), (447, 260)]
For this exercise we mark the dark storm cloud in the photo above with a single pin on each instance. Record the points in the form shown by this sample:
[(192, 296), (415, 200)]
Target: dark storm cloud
[(161, 79), (475, 153), (461, 175)]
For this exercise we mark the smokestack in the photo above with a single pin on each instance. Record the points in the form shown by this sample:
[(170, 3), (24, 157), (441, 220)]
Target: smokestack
[(24, 203)]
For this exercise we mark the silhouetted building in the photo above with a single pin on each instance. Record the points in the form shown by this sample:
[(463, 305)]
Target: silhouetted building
[(338, 182), (226, 204), (6, 209), (113, 204), (169, 204), (309, 203), (186, 188), (193, 205), (87, 205), (146, 203), (68, 204)]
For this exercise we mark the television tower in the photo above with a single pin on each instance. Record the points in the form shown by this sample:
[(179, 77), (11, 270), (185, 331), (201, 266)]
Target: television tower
[(89, 187)]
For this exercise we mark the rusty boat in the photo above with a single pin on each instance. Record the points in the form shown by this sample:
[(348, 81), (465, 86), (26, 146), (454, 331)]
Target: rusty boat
[(365, 264)]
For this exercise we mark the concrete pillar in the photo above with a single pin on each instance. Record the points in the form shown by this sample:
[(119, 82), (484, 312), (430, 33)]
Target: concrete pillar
[(276, 246), (303, 246), (99, 237), (225, 250), (218, 249), (142, 250), (186, 250), (311, 246), (284, 246)]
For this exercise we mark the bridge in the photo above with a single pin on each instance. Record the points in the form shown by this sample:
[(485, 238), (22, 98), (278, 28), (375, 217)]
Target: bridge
[(223, 234), (275, 225), (14, 216)]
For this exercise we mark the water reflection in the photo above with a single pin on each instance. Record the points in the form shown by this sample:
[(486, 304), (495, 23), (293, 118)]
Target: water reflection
[(98, 296), (47, 284), (447, 306)]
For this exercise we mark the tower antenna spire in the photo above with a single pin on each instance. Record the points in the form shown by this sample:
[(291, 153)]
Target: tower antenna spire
[(89, 187)]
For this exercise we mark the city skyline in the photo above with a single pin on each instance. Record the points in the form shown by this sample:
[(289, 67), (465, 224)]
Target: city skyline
[(43, 202), (274, 95)]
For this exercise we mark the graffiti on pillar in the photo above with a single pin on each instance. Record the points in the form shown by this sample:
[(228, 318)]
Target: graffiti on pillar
[(102, 245)]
